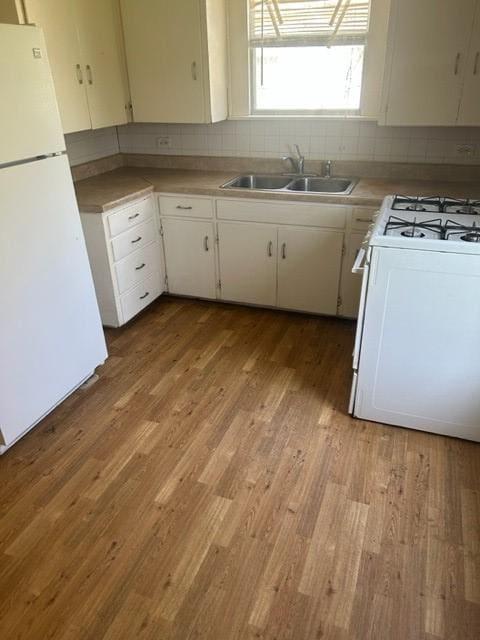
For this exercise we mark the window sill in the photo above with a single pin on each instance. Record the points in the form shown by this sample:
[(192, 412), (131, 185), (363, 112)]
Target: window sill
[(304, 117)]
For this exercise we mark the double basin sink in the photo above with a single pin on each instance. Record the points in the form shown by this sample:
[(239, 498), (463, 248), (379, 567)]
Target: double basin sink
[(304, 184)]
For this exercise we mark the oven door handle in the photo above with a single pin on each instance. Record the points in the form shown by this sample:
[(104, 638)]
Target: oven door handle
[(359, 264)]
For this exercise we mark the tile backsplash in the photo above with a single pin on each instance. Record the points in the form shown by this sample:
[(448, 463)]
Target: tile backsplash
[(334, 139), (86, 146)]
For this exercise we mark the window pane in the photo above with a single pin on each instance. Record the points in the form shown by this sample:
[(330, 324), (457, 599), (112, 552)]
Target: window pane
[(308, 78)]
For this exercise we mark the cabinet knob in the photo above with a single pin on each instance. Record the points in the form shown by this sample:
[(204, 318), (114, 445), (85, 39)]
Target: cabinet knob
[(205, 243), (284, 251), (270, 249), (89, 74), (140, 266), (194, 70), (137, 240), (135, 215)]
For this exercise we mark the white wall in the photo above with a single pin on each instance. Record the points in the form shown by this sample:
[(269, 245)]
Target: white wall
[(337, 140), (85, 146)]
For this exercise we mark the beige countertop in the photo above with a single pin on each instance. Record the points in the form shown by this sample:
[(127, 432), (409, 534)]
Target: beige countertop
[(116, 188)]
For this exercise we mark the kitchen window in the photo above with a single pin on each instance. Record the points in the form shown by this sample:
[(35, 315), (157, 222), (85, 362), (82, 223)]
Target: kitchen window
[(307, 56)]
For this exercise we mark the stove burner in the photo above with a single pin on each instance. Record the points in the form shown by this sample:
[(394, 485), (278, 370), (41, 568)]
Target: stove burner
[(472, 236), (415, 207), (413, 232), (414, 229), (466, 208)]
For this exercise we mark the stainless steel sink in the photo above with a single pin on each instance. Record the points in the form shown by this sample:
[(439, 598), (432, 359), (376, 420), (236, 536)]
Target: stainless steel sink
[(303, 184), (322, 185), (252, 181)]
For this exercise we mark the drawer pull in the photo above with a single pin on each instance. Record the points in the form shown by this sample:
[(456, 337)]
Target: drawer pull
[(363, 219), (140, 266), (135, 215), (147, 293), (184, 208), (205, 243), (137, 240)]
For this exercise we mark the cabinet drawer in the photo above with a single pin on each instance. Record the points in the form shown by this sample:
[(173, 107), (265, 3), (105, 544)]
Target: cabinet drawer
[(141, 296), (129, 241), (185, 206), (137, 266), (362, 218), (126, 218), (299, 214)]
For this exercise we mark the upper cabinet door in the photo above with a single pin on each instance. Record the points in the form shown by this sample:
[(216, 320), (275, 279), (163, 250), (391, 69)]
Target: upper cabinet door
[(426, 60), (100, 50), (165, 60), (469, 114), (58, 21)]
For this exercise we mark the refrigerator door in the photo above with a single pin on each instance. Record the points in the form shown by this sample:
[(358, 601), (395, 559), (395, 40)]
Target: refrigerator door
[(51, 338), (29, 120)]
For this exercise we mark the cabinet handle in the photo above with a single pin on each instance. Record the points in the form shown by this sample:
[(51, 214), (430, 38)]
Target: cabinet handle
[(457, 64), (284, 251), (363, 219), (89, 74), (205, 243), (147, 293), (475, 64), (194, 70), (270, 249), (183, 208), (140, 266), (79, 74), (135, 215), (137, 240)]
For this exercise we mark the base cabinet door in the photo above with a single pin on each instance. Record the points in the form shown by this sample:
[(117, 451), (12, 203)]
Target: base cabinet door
[(351, 282), (248, 267), (190, 257), (309, 264)]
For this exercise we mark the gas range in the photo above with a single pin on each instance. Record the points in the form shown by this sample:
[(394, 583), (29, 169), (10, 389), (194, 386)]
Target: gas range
[(432, 223)]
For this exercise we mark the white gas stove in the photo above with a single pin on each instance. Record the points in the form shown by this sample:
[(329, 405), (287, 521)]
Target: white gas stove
[(417, 351), (432, 224)]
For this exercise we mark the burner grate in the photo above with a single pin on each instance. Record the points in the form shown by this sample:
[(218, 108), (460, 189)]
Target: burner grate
[(414, 228), (467, 233)]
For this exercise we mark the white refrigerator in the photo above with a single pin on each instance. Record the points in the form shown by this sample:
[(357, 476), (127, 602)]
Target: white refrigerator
[(51, 337)]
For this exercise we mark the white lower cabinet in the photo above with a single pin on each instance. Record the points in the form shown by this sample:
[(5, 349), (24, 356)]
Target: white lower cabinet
[(126, 258), (248, 262), (309, 266), (190, 257)]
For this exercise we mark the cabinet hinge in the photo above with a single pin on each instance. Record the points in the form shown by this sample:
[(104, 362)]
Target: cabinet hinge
[(344, 249), (217, 239), (219, 284), (339, 302), (160, 230), (166, 282)]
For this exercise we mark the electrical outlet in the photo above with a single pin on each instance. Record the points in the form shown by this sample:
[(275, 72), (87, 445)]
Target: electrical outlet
[(465, 150), (164, 142)]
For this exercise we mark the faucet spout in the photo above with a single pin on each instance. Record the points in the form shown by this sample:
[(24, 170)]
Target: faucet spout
[(328, 169)]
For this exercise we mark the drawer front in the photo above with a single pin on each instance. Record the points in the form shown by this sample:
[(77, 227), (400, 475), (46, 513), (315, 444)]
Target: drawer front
[(141, 296), (137, 266), (362, 218), (299, 214), (190, 207), (137, 237), (124, 219)]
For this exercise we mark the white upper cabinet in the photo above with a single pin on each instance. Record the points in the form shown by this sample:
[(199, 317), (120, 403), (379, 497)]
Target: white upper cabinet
[(428, 61), (84, 53), (176, 58), (469, 113)]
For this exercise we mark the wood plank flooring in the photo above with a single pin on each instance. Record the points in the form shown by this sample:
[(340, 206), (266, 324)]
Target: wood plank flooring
[(211, 485)]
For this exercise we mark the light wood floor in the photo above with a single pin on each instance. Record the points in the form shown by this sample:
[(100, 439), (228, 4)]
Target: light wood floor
[(211, 486)]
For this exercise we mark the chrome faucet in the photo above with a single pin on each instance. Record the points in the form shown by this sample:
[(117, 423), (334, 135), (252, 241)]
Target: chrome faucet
[(297, 163), (328, 169)]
